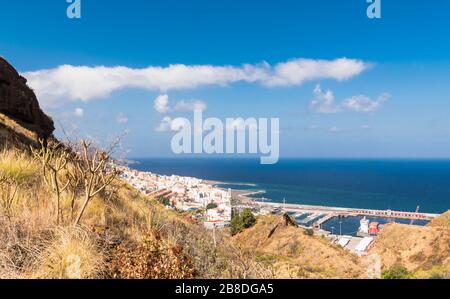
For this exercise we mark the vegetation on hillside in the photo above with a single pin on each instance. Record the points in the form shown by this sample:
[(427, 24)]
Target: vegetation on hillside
[(65, 214), (441, 221), (241, 221), (397, 273), (423, 251), (292, 253)]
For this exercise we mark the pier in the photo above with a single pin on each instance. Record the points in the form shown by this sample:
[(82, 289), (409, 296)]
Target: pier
[(324, 213), (310, 218)]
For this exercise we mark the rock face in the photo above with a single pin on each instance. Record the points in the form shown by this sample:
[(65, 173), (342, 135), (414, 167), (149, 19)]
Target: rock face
[(19, 102)]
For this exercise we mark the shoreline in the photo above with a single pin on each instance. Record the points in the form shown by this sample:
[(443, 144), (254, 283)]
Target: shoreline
[(244, 198), (241, 194)]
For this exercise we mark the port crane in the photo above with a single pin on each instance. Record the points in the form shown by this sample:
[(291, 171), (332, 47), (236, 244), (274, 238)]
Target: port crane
[(417, 211)]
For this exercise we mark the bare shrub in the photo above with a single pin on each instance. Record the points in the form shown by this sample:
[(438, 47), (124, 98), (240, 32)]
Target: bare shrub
[(96, 171), (152, 258), (54, 158)]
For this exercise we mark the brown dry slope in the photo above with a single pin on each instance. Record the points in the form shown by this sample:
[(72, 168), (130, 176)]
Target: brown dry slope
[(423, 250), (295, 254), (441, 221)]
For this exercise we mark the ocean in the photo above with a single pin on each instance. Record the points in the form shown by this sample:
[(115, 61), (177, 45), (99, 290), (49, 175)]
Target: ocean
[(372, 184)]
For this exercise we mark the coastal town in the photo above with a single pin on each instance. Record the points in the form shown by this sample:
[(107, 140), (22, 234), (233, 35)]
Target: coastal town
[(207, 203)]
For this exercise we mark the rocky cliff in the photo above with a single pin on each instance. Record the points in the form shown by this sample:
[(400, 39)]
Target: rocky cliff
[(18, 101)]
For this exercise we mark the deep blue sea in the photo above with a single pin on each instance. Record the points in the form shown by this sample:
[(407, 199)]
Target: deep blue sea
[(375, 184)]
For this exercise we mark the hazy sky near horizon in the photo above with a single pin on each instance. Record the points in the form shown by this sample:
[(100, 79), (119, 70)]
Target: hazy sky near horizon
[(342, 85)]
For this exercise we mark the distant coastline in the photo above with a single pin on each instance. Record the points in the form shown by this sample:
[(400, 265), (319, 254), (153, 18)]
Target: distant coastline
[(397, 185)]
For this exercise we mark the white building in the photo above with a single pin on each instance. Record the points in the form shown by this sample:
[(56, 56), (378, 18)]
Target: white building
[(364, 226)]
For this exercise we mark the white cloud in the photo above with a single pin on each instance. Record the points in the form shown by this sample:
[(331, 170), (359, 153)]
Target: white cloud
[(68, 82), (162, 103), (121, 118), (297, 71), (365, 127), (164, 125), (78, 112), (324, 102), (190, 105), (335, 129), (362, 103)]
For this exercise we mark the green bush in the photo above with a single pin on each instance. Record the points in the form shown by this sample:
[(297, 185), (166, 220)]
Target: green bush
[(309, 232), (164, 201), (244, 220), (397, 273), (211, 206)]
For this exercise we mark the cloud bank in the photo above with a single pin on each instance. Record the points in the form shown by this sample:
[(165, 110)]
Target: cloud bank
[(85, 83)]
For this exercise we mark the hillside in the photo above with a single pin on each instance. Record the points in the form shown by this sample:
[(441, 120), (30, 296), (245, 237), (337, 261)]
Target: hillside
[(294, 254), (441, 221), (423, 250), (122, 234)]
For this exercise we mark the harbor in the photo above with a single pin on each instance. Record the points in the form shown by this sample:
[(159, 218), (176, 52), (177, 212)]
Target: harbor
[(320, 217), (351, 228)]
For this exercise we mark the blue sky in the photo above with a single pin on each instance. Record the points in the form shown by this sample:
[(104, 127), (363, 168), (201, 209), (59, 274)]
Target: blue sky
[(389, 97)]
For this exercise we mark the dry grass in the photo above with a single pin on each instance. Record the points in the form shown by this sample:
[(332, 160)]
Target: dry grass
[(72, 253), (114, 235), (441, 221), (419, 249), (18, 166), (31, 245)]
